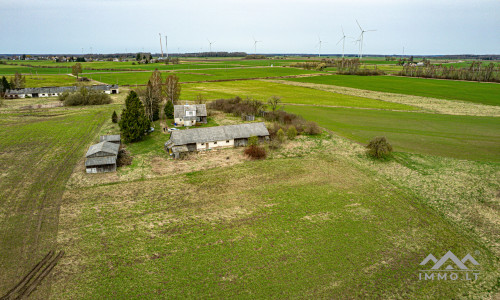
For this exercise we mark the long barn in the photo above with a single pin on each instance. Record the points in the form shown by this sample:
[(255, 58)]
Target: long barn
[(201, 139), (56, 91)]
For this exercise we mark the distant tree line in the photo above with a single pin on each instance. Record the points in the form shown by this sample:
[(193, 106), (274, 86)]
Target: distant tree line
[(475, 72)]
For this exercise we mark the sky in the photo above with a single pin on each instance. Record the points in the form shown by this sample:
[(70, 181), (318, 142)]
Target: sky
[(421, 27)]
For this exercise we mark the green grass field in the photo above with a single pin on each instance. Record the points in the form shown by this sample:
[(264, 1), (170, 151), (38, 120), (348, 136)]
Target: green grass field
[(38, 151), (463, 137), (50, 80), (478, 92), (290, 94), (140, 78)]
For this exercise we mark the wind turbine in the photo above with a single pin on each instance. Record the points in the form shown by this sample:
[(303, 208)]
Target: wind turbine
[(161, 45), (319, 46), (255, 45), (361, 39), (343, 41), (210, 44)]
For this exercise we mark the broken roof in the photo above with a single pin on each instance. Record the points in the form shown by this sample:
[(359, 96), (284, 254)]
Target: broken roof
[(106, 147), (219, 133)]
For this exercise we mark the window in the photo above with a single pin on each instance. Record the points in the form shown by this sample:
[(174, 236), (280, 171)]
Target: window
[(203, 144), (215, 143), (227, 141)]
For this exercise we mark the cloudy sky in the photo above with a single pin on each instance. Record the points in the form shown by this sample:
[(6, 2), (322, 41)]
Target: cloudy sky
[(283, 26)]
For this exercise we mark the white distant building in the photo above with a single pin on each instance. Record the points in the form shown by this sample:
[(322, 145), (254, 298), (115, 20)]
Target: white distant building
[(56, 91)]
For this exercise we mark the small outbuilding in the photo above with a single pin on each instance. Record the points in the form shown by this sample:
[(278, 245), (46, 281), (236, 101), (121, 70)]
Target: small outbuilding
[(113, 138), (200, 139), (102, 157), (189, 115)]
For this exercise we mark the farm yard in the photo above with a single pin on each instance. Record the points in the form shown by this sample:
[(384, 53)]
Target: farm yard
[(316, 218)]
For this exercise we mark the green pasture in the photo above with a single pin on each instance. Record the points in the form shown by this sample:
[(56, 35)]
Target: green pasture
[(262, 90), (478, 92), (463, 137)]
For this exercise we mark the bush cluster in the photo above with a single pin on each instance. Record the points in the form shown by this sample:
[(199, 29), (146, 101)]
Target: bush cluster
[(379, 148), (255, 152), (285, 120), (85, 96), (237, 106)]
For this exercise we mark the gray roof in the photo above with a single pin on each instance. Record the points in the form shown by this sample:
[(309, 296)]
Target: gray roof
[(219, 133), (107, 147), (110, 138), (180, 110), (58, 89), (99, 161)]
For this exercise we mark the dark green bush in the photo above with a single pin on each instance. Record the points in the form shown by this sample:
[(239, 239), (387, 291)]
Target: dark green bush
[(379, 147)]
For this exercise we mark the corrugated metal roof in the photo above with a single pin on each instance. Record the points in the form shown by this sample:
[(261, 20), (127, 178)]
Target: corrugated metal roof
[(99, 161), (110, 138), (58, 89), (180, 110), (219, 133), (106, 147)]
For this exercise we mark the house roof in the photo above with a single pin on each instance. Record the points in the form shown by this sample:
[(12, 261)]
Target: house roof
[(110, 138), (99, 161), (58, 89), (219, 133), (106, 147), (180, 110)]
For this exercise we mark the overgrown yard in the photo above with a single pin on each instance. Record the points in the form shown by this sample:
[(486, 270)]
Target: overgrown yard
[(317, 219)]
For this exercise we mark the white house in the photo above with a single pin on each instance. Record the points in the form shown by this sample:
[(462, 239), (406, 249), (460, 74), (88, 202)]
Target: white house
[(189, 115), (56, 91)]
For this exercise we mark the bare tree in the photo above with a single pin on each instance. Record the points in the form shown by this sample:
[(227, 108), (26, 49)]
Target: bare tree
[(18, 81), (200, 99), (152, 97), (273, 102), (173, 89)]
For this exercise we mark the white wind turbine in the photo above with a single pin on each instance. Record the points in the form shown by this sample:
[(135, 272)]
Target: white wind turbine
[(319, 46), (342, 40), (255, 45), (361, 39), (210, 44)]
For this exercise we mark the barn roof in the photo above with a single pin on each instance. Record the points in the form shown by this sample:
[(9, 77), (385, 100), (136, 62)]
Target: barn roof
[(58, 89), (219, 133), (110, 138), (106, 147), (100, 161), (180, 110)]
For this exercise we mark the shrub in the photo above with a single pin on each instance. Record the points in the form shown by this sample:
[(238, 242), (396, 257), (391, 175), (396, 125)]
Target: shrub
[(255, 152), (169, 110), (312, 128), (291, 133), (114, 117), (253, 140), (85, 96), (280, 135), (379, 148)]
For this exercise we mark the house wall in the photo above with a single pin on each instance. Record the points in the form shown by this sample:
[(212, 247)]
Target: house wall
[(101, 169), (213, 145), (180, 122)]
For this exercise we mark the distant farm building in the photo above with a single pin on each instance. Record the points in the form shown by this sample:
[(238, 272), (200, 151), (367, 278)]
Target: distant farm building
[(199, 139), (102, 157), (189, 115), (56, 91)]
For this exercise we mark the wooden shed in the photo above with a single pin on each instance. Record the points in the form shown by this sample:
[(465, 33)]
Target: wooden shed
[(102, 157)]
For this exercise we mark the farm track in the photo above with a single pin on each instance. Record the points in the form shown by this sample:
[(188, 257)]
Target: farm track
[(39, 202), (33, 279)]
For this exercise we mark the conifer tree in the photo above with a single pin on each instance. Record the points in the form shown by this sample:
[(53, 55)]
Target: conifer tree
[(169, 110), (133, 122)]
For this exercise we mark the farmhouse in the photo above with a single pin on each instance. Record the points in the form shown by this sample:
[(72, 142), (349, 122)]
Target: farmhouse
[(102, 157), (56, 91), (200, 139), (189, 115)]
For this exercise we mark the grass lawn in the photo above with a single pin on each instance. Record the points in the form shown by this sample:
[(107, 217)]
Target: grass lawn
[(262, 90), (464, 137), (478, 92), (38, 151), (50, 80)]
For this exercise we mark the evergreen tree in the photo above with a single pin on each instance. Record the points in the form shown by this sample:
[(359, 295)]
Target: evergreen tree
[(114, 117), (4, 86), (138, 57), (133, 122), (169, 110)]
